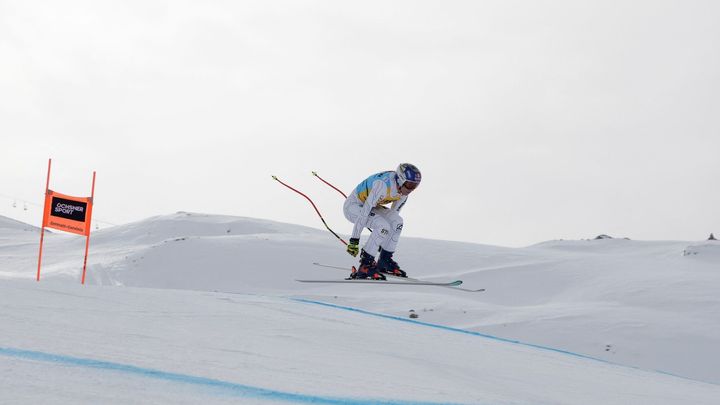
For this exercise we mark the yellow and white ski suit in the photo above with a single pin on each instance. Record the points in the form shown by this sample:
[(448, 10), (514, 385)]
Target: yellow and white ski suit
[(366, 207)]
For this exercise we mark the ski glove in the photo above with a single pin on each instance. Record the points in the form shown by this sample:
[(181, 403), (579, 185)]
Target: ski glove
[(353, 247)]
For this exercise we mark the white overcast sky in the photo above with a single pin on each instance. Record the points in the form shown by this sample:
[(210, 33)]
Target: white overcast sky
[(530, 120)]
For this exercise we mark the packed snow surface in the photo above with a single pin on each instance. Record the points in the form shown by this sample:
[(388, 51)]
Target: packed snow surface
[(191, 308)]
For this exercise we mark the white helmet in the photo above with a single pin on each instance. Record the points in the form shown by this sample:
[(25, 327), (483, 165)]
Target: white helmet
[(407, 172)]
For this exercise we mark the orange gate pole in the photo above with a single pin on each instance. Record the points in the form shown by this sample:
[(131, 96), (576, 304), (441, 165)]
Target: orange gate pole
[(42, 228), (89, 225)]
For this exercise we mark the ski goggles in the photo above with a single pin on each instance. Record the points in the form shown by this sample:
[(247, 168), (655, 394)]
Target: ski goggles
[(410, 185)]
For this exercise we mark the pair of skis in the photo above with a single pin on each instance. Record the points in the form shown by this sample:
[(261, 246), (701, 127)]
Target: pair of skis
[(392, 280)]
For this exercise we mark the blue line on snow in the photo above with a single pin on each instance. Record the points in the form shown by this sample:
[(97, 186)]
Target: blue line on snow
[(239, 390), (448, 328), (491, 337)]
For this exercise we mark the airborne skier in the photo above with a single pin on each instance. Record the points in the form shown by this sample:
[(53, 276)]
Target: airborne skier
[(365, 207)]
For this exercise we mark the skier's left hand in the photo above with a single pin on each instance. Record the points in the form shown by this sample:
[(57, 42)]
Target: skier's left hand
[(353, 247)]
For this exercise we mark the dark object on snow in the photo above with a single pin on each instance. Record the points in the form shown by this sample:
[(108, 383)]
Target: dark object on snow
[(603, 237), (712, 237)]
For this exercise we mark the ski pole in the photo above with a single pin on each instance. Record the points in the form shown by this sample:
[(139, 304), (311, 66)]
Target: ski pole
[(323, 180), (316, 210)]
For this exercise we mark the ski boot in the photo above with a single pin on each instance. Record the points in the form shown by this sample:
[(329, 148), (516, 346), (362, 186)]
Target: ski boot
[(367, 269), (389, 266)]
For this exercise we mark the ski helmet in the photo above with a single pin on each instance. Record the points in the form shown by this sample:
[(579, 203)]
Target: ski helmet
[(407, 172)]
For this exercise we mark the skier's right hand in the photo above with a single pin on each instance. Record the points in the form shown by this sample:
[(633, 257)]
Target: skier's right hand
[(353, 247)]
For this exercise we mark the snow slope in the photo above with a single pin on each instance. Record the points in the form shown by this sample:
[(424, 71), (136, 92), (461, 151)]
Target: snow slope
[(219, 318), (71, 344)]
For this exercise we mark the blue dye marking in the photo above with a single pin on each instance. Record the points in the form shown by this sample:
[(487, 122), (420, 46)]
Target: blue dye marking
[(448, 328), (235, 389), (469, 332)]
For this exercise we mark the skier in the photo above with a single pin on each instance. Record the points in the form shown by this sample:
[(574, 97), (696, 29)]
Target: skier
[(365, 207)]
